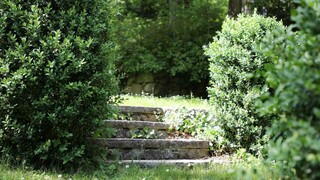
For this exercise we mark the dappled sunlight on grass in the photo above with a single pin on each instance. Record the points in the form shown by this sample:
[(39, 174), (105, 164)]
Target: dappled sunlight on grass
[(257, 169), (164, 102), (213, 171)]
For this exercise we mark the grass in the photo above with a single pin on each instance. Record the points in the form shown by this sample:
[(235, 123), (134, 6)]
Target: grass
[(227, 171), (164, 102), (256, 170), (26, 173)]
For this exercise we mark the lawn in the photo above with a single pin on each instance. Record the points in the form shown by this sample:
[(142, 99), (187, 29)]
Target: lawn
[(164, 102), (242, 170)]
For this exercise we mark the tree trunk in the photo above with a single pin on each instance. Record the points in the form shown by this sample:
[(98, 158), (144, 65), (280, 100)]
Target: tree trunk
[(236, 7)]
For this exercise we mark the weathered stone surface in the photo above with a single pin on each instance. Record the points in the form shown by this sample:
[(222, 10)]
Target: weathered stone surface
[(142, 113), (145, 78), (136, 88), (139, 129), (137, 154), (140, 109), (137, 124), (123, 143), (140, 133), (130, 81), (149, 88), (176, 162)]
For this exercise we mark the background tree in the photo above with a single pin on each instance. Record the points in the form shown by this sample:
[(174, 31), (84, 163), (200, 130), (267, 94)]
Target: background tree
[(236, 7), (281, 9), (166, 37)]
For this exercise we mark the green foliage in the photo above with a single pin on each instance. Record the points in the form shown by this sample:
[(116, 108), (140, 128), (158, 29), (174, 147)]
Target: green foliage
[(55, 79), (166, 36), (191, 121), (275, 8), (144, 133), (198, 123), (237, 80), (296, 78)]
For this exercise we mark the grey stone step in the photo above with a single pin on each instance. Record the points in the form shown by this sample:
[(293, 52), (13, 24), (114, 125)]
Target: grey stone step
[(141, 113), (140, 109), (125, 143), (175, 162), (125, 124), (139, 129), (152, 154), (153, 149)]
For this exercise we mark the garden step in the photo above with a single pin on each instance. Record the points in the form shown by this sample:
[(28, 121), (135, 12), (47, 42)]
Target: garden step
[(140, 113), (157, 154), (139, 129), (125, 143), (153, 149), (176, 162), (137, 124)]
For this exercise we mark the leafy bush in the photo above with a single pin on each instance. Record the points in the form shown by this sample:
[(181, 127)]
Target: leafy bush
[(296, 78), (55, 79), (166, 36), (237, 73)]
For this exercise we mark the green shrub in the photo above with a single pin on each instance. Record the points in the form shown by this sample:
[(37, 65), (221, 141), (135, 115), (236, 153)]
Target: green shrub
[(237, 73), (166, 37), (296, 79), (55, 79)]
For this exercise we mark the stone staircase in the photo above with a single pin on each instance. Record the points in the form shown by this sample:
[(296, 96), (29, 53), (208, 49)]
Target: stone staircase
[(143, 139)]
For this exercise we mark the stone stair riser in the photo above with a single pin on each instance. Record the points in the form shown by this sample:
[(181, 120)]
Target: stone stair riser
[(139, 129), (140, 133), (150, 154), (153, 143), (137, 124), (141, 113)]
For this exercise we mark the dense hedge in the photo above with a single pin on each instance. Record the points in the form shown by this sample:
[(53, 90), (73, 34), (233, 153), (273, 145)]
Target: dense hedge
[(166, 36), (296, 78), (55, 79), (237, 73)]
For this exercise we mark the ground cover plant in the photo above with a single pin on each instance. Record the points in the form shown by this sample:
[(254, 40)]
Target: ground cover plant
[(237, 74), (56, 80)]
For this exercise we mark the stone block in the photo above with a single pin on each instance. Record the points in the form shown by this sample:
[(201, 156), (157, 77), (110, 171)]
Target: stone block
[(130, 81), (145, 78), (149, 88), (136, 89)]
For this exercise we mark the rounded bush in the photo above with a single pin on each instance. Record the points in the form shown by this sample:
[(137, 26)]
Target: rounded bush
[(237, 73), (296, 79), (56, 79)]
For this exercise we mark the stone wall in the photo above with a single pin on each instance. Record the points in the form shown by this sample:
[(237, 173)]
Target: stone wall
[(162, 85)]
